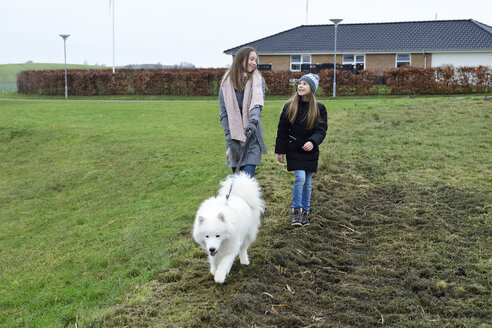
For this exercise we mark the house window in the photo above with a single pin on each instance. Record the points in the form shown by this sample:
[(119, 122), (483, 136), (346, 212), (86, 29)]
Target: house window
[(403, 60), (297, 60), (354, 59)]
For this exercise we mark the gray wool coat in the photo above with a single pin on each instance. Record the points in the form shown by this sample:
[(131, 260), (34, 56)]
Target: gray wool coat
[(256, 146)]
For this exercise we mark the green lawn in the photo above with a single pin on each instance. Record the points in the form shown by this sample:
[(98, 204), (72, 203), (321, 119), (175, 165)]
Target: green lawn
[(97, 198), (94, 198)]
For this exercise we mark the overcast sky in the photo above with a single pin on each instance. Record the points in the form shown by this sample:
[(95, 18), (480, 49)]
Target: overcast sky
[(195, 31)]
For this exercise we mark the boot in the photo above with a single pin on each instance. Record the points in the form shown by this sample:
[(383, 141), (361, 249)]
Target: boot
[(296, 217), (305, 218)]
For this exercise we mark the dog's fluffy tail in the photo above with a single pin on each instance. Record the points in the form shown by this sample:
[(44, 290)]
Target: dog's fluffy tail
[(245, 187)]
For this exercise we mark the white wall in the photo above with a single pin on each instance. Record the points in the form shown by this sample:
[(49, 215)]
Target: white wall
[(462, 59)]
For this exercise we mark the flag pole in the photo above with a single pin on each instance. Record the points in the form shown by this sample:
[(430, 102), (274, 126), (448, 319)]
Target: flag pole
[(307, 2), (113, 33)]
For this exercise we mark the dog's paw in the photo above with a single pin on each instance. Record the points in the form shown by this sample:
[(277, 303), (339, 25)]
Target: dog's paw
[(219, 278), (213, 270), (243, 257)]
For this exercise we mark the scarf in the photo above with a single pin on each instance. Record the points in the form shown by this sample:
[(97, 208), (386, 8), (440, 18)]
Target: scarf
[(253, 97)]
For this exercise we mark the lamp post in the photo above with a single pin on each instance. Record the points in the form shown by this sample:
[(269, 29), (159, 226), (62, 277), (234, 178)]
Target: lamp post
[(65, 36), (336, 22)]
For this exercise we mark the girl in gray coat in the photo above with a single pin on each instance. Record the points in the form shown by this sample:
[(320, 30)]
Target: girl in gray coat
[(241, 98)]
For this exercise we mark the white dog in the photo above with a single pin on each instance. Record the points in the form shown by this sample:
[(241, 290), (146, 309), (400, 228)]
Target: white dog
[(226, 227)]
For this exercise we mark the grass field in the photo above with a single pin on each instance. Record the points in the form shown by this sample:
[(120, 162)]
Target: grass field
[(97, 203)]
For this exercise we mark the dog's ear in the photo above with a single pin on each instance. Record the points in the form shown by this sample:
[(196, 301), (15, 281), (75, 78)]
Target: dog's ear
[(201, 219), (221, 217)]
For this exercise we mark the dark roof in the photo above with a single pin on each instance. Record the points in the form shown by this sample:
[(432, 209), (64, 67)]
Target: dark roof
[(437, 35)]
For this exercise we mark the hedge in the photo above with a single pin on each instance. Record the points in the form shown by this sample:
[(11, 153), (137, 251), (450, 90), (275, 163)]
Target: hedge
[(439, 80), (202, 82)]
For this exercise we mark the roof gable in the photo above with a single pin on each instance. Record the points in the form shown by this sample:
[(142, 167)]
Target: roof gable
[(443, 35)]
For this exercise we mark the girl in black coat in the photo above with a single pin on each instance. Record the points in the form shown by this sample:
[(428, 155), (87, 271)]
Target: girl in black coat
[(301, 129)]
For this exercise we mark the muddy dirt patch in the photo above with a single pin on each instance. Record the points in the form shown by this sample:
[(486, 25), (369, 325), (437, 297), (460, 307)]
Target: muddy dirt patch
[(399, 255)]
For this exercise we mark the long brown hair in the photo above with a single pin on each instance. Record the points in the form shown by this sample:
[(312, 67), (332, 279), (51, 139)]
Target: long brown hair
[(237, 70), (313, 115)]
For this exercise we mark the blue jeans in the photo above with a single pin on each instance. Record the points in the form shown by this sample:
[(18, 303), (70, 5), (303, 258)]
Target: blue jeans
[(250, 169), (301, 194)]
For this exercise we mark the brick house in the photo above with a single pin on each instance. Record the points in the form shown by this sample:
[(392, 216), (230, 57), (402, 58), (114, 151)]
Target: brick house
[(377, 46)]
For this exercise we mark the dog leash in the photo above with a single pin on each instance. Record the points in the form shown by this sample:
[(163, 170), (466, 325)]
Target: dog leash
[(248, 137)]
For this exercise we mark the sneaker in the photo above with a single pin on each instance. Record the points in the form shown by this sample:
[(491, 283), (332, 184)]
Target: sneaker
[(305, 218), (296, 217)]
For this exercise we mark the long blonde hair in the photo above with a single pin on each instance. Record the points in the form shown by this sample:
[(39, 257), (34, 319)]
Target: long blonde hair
[(313, 115), (236, 72)]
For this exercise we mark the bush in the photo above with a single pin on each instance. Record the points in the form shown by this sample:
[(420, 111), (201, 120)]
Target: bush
[(439, 80), (125, 81), (204, 82)]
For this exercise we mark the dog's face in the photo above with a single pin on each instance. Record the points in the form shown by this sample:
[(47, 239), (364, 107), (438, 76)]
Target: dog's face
[(213, 232)]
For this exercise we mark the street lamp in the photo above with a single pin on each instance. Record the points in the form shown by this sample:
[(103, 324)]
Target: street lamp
[(65, 36), (336, 22)]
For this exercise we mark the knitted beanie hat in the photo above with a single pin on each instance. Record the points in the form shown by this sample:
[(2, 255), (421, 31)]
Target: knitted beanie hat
[(312, 80)]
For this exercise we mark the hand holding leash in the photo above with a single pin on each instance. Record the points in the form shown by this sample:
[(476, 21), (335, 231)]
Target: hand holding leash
[(250, 129)]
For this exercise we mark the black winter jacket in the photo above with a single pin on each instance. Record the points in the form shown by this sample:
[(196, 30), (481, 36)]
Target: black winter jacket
[(291, 138)]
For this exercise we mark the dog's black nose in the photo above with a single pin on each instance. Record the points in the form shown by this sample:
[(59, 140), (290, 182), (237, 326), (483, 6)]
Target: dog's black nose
[(211, 250)]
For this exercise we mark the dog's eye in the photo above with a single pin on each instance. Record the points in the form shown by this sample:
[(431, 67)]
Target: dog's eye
[(217, 236), (206, 236)]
